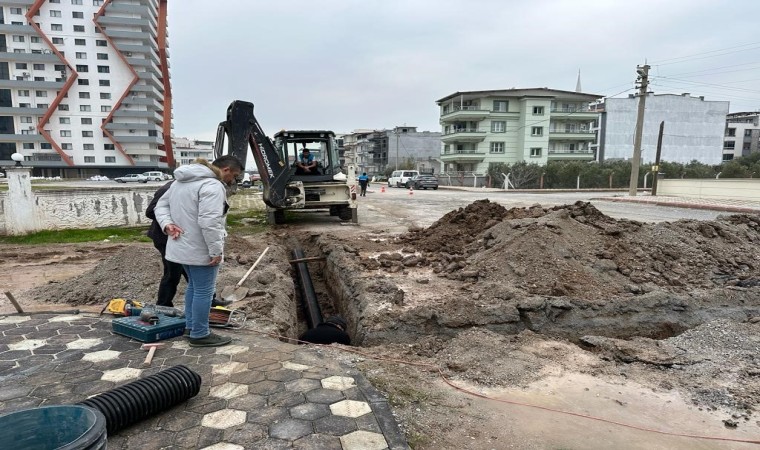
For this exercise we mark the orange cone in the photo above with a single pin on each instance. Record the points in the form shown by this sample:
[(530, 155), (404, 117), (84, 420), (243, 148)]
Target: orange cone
[(411, 191), (382, 189)]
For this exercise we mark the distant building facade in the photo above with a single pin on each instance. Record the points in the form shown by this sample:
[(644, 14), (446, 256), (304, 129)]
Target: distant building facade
[(380, 150), (512, 125), (694, 128), (742, 134), (189, 150)]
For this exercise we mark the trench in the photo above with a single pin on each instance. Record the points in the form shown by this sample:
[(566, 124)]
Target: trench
[(374, 308)]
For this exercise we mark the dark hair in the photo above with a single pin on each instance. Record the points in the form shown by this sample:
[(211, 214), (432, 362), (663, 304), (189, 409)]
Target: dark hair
[(230, 161)]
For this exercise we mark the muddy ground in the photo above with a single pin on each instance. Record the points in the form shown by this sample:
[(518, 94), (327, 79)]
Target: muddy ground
[(652, 325)]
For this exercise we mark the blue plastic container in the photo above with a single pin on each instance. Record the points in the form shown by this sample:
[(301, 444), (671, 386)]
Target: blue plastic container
[(64, 427)]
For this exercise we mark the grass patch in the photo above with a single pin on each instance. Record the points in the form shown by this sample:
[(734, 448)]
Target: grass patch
[(136, 234), (249, 222)]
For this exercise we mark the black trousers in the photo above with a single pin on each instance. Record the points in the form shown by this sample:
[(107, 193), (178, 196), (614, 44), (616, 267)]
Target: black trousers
[(363, 186), (167, 288)]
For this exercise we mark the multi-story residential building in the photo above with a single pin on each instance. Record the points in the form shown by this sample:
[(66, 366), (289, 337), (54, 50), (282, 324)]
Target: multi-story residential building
[(742, 134), (512, 125), (189, 150), (379, 150), (84, 86), (694, 128)]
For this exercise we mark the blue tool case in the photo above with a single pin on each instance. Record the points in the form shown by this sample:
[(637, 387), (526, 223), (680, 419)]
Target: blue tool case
[(166, 328)]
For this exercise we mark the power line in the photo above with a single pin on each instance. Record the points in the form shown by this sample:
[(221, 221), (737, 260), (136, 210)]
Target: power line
[(697, 83), (722, 51), (718, 68)]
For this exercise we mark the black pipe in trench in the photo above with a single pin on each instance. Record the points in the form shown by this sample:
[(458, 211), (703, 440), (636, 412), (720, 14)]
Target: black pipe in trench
[(308, 297)]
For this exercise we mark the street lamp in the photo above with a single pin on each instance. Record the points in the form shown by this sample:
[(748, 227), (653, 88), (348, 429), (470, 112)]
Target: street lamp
[(18, 157)]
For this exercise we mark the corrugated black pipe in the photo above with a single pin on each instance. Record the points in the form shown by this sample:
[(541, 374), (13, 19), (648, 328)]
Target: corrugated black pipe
[(308, 297), (146, 397)]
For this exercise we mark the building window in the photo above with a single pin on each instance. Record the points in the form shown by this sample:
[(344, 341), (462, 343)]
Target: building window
[(535, 152), (58, 41), (97, 2), (103, 56), (80, 42), (59, 67), (26, 120), (39, 78), (40, 93), (104, 82), (38, 66), (21, 66), (731, 132), (65, 133), (104, 69), (76, 2), (86, 121), (498, 126), (67, 147), (81, 55), (747, 146), (85, 108), (105, 96), (86, 133), (28, 145), (79, 28), (83, 81), (64, 120), (46, 146), (43, 105), (18, 38), (748, 132), (55, 1), (23, 93), (89, 159), (105, 108), (537, 131), (101, 43), (88, 146), (497, 147), (55, 13), (82, 68), (538, 110), (500, 106), (77, 14), (728, 157), (108, 147), (110, 159), (56, 27), (729, 145), (84, 95), (63, 107), (16, 11), (18, 50), (34, 39)]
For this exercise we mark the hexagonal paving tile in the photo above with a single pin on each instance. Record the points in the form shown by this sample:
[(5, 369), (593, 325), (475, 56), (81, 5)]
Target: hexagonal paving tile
[(224, 446), (338, 383), (68, 318), (231, 349), (121, 374), (363, 440), (229, 368), (103, 355), (290, 429), (229, 390), (224, 419), (294, 366), (350, 408), (309, 411), (14, 319), (181, 345), (28, 344), (302, 385), (81, 344)]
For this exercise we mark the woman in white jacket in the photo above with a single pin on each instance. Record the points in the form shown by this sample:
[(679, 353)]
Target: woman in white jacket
[(193, 214)]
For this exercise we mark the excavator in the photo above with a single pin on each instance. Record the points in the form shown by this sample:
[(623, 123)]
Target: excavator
[(285, 185)]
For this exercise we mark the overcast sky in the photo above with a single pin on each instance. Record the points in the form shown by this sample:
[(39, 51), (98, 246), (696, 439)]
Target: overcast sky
[(350, 64)]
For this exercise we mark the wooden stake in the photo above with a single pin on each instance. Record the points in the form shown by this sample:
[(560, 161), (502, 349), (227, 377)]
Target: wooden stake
[(13, 300)]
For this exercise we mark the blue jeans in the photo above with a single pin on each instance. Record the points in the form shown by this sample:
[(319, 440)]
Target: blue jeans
[(201, 281)]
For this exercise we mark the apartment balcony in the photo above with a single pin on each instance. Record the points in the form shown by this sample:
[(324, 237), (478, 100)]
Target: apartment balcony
[(132, 126), (48, 57), (465, 114), (16, 29), (463, 156), (131, 35), (464, 135), (564, 154), (19, 2), (137, 114), (22, 138), (129, 9), (18, 111), (572, 135), (574, 113), (137, 139)]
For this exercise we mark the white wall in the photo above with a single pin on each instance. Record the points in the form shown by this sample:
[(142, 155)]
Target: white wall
[(736, 189)]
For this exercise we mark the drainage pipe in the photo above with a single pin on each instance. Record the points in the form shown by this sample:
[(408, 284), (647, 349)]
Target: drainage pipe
[(308, 297), (146, 397)]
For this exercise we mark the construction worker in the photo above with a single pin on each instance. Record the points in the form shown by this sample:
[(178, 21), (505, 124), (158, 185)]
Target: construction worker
[(363, 183), (306, 163), (332, 330)]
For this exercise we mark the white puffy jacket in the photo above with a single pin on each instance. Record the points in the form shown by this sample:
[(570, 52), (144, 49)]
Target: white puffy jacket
[(197, 203)]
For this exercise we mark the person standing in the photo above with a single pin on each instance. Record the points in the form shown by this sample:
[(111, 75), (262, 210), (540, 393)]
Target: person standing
[(363, 183), (173, 272), (193, 214)]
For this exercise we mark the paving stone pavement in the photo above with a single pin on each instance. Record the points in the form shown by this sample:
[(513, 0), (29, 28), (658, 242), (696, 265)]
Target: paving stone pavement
[(256, 392)]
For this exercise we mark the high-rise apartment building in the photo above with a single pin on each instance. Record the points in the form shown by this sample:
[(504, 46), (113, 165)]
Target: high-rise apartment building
[(84, 86)]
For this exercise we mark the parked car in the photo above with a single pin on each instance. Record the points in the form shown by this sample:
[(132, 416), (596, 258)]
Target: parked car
[(132, 178), (423, 182), (400, 177), (155, 176)]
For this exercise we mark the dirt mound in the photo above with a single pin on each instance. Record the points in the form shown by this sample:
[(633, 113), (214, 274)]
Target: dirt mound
[(132, 273)]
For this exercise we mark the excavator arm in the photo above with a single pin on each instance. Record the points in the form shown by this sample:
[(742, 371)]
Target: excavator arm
[(243, 131)]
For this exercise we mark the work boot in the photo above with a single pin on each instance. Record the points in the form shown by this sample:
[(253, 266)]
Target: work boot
[(212, 340), (220, 302)]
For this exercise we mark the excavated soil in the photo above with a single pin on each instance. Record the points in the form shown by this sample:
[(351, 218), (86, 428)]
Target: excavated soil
[(507, 299)]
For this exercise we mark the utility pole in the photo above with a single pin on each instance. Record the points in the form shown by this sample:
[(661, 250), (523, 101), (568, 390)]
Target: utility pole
[(643, 81), (656, 167), (397, 134)]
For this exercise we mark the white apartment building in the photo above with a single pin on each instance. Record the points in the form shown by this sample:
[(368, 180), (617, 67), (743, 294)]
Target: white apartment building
[(84, 86), (189, 150), (742, 134), (511, 125), (694, 128), (378, 150)]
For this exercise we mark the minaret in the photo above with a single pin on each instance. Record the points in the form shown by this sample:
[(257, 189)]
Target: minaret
[(578, 84)]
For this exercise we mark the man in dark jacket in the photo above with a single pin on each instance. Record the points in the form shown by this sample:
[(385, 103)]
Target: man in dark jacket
[(173, 272), (332, 330)]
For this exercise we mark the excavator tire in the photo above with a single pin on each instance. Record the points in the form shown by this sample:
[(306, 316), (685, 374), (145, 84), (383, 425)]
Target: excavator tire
[(345, 213)]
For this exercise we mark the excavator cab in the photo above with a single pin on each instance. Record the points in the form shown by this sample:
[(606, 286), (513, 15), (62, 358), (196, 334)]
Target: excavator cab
[(321, 145)]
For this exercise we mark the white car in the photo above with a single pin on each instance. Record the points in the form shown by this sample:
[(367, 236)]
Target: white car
[(155, 176), (132, 178)]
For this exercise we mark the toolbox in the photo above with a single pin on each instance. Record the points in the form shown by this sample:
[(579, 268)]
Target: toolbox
[(166, 328)]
